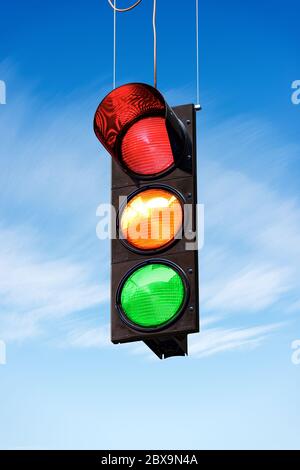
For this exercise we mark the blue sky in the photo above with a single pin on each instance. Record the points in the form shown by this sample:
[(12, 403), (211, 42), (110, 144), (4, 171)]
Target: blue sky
[(64, 385)]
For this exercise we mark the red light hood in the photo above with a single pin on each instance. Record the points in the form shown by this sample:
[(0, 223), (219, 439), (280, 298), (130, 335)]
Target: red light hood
[(126, 105)]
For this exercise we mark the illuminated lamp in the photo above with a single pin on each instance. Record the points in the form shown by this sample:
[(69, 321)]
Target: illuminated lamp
[(151, 219)]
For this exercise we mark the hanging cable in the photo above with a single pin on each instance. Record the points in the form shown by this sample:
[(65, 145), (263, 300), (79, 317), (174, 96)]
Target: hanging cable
[(197, 106), (115, 46), (154, 44), (122, 10)]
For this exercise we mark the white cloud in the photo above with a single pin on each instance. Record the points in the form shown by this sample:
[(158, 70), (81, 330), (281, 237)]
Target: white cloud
[(85, 337), (35, 288), (52, 165), (211, 341), (250, 212), (216, 340), (52, 179), (251, 256), (249, 290)]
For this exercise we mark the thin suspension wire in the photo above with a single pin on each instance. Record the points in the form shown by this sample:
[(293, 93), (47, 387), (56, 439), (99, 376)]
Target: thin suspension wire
[(115, 46), (197, 58), (154, 44), (122, 10)]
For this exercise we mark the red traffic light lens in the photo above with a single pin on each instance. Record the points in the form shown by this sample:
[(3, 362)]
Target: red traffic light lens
[(139, 130), (146, 148), (121, 108)]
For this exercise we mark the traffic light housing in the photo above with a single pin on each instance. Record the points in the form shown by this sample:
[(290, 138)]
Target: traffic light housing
[(154, 274)]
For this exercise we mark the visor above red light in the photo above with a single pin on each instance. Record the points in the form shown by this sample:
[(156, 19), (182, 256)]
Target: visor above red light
[(139, 130)]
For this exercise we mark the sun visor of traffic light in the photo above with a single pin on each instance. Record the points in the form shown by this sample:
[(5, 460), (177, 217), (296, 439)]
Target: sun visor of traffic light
[(137, 127)]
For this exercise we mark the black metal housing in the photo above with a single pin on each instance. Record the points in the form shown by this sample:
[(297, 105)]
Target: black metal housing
[(171, 340)]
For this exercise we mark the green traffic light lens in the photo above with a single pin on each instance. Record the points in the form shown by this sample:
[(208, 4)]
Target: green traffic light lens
[(152, 295)]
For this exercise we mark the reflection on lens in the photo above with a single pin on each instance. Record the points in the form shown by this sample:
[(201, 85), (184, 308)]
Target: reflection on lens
[(151, 219), (152, 295), (146, 148)]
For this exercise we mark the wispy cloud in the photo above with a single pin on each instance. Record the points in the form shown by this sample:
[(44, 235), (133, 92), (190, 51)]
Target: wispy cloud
[(85, 336), (216, 340), (52, 180), (35, 288), (252, 225), (249, 290)]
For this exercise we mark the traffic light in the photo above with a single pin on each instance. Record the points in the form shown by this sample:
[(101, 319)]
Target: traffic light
[(154, 275)]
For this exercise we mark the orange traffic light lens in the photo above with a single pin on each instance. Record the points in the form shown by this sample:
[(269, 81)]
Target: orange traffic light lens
[(146, 148), (151, 219)]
